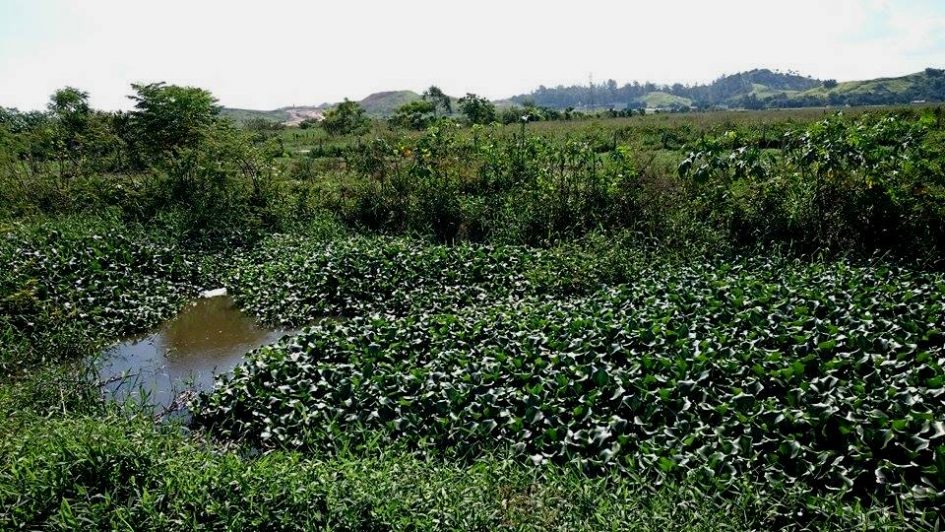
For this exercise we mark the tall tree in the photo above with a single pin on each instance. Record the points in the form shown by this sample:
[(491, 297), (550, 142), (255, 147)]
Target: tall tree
[(439, 99), (71, 115), (168, 118), (478, 110), (346, 118)]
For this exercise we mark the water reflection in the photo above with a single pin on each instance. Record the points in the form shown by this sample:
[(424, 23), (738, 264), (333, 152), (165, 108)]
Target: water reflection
[(209, 337)]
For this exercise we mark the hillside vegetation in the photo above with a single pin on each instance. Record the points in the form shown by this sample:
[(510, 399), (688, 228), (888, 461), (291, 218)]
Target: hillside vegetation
[(382, 104), (755, 89), (243, 116), (379, 104)]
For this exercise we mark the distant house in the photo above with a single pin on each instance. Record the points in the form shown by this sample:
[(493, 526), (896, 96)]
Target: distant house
[(918, 102)]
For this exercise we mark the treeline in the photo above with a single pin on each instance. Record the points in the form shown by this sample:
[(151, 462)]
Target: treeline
[(609, 94), (173, 153), (738, 90), (351, 118), (851, 184)]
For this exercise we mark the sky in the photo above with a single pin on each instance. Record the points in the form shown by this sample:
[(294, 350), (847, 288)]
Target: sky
[(275, 53)]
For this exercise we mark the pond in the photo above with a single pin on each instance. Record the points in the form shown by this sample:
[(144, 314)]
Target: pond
[(208, 337)]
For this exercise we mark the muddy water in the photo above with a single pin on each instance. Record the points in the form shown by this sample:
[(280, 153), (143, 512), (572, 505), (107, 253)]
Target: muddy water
[(208, 337)]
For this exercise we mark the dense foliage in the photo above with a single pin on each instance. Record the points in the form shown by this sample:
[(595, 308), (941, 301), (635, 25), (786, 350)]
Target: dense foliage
[(862, 183), (67, 286), (831, 375), (346, 118)]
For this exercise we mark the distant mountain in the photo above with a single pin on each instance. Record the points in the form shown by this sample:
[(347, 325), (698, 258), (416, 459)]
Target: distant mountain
[(755, 89)]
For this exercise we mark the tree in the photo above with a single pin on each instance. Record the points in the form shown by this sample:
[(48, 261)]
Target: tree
[(29, 136), (414, 115), (168, 118), (69, 105), (309, 123), (478, 110), (71, 116), (263, 124), (261, 129), (346, 118), (9, 146), (178, 130), (830, 84), (512, 115), (439, 100)]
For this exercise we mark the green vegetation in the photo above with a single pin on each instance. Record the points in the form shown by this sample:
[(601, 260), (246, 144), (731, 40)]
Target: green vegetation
[(418, 115), (477, 109), (716, 372), (705, 321), (347, 118), (87, 280), (663, 100), (119, 473), (242, 116), (382, 104), (755, 89)]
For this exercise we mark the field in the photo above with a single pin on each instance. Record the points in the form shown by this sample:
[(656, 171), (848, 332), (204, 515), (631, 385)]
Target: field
[(712, 321)]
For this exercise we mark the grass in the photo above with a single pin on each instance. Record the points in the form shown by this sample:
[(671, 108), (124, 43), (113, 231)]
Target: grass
[(897, 85), (660, 100), (763, 91), (98, 468)]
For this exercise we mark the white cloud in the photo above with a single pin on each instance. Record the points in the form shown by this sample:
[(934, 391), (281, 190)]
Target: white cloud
[(274, 53)]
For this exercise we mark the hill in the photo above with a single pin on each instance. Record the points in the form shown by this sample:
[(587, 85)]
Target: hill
[(721, 92), (241, 116), (755, 89), (379, 104), (661, 100), (928, 85), (291, 116), (382, 104)]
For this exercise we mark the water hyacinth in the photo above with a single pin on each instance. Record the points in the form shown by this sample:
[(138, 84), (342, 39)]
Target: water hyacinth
[(102, 281), (774, 371), (291, 281)]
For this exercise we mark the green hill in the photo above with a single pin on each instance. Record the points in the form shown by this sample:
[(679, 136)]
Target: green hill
[(723, 92), (379, 104), (663, 100), (754, 89), (382, 104), (241, 116), (927, 86)]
